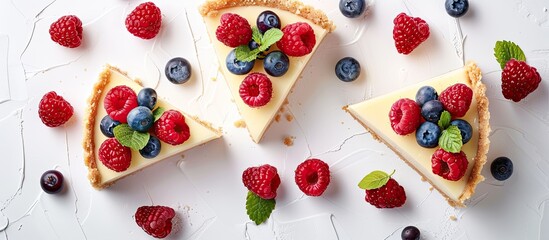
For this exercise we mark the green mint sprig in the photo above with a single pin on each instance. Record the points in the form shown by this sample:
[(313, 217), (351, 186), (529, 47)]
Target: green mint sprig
[(131, 138), (245, 54), (444, 120), (157, 113), (259, 209), (374, 180), (450, 140), (505, 50)]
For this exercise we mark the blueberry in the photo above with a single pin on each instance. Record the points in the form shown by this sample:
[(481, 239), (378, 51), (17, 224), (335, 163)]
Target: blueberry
[(51, 181), (276, 63), (425, 94), (253, 45), (107, 125), (140, 119), (152, 149), (465, 129), (178, 70), (238, 67), (147, 98), (432, 110), (501, 168), (267, 20), (410, 233), (427, 134), (352, 8), (456, 8), (347, 69)]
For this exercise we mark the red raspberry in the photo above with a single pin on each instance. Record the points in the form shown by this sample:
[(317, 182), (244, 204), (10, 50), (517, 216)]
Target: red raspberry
[(262, 180), (390, 195), (115, 156), (256, 90), (234, 30), (312, 176), (155, 220), (456, 99), (409, 32), (518, 79), (298, 40), (144, 21), (54, 110), (405, 116), (67, 31), (450, 166), (172, 128), (119, 101)]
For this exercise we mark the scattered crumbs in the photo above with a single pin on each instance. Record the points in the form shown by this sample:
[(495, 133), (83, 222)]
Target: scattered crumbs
[(289, 117), (423, 179), (453, 218), (282, 109), (182, 156), (285, 102), (289, 141), (213, 78), (431, 188), (342, 122), (277, 118), (240, 124)]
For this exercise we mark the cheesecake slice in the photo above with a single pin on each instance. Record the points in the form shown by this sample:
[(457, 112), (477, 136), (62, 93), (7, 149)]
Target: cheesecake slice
[(373, 114), (258, 119), (101, 176)]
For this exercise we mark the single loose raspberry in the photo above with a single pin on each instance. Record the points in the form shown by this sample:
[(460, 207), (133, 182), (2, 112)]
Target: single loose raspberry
[(312, 177), (67, 31), (450, 166), (262, 180), (456, 99), (390, 195), (54, 110), (298, 40), (172, 128), (155, 220), (115, 156), (233, 30), (405, 116), (144, 21), (409, 32), (256, 90), (518, 79), (119, 101)]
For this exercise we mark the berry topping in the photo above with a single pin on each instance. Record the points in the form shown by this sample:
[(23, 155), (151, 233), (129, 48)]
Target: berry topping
[(236, 66), (233, 30), (144, 21), (178, 70), (147, 97), (390, 195), (456, 8), (262, 180), (51, 181), (410, 233), (450, 166), (409, 32), (67, 31), (352, 8), (119, 101), (267, 20), (152, 149), (457, 99), (432, 110), (276, 63), (140, 119), (172, 128), (518, 79), (107, 126), (54, 110), (312, 177), (155, 220), (501, 168), (425, 94), (427, 135), (299, 39), (405, 116), (115, 156), (254, 45), (256, 90), (465, 129), (347, 69)]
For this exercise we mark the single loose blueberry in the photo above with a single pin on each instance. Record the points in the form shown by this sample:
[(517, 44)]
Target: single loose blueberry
[(51, 181), (410, 233), (427, 134), (107, 126), (178, 70), (267, 20), (152, 149), (425, 94), (347, 69), (276, 63), (352, 8), (236, 66), (432, 110), (501, 168), (140, 119), (465, 129), (147, 98), (456, 8)]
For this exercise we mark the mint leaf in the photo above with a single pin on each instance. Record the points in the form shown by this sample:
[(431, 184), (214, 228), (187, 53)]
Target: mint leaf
[(444, 120), (450, 140), (505, 50), (131, 138), (375, 179), (270, 37), (157, 113), (259, 209), (244, 54), (256, 35)]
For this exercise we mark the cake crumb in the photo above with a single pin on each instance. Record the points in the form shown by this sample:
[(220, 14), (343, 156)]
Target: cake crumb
[(240, 124), (289, 141), (289, 117), (282, 109), (431, 188), (213, 78), (277, 118), (423, 179), (453, 218)]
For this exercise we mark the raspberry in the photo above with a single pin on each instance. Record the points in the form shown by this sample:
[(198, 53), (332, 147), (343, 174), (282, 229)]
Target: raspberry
[(409, 32), (390, 195), (115, 156), (298, 39), (405, 116), (518, 79), (234, 30), (144, 21), (119, 101), (456, 99), (312, 176), (450, 166), (67, 31), (256, 90), (262, 180), (54, 110), (172, 128), (155, 220)]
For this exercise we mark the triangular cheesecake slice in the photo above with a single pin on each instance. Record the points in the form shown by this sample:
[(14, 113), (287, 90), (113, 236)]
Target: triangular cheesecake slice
[(258, 119), (101, 176), (373, 114)]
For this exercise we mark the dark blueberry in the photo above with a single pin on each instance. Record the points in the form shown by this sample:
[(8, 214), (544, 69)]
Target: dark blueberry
[(352, 8), (347, 69), (267, 20), (253, 45), (238, 67), (425, 94), (427, 134), (140, 119), (107, 125), (178, 70), (501, 168), (147, 98), (51, 181), (152, 149), (456, 8), (465, 129), (276, 63), (432, 110), (410, 233)]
